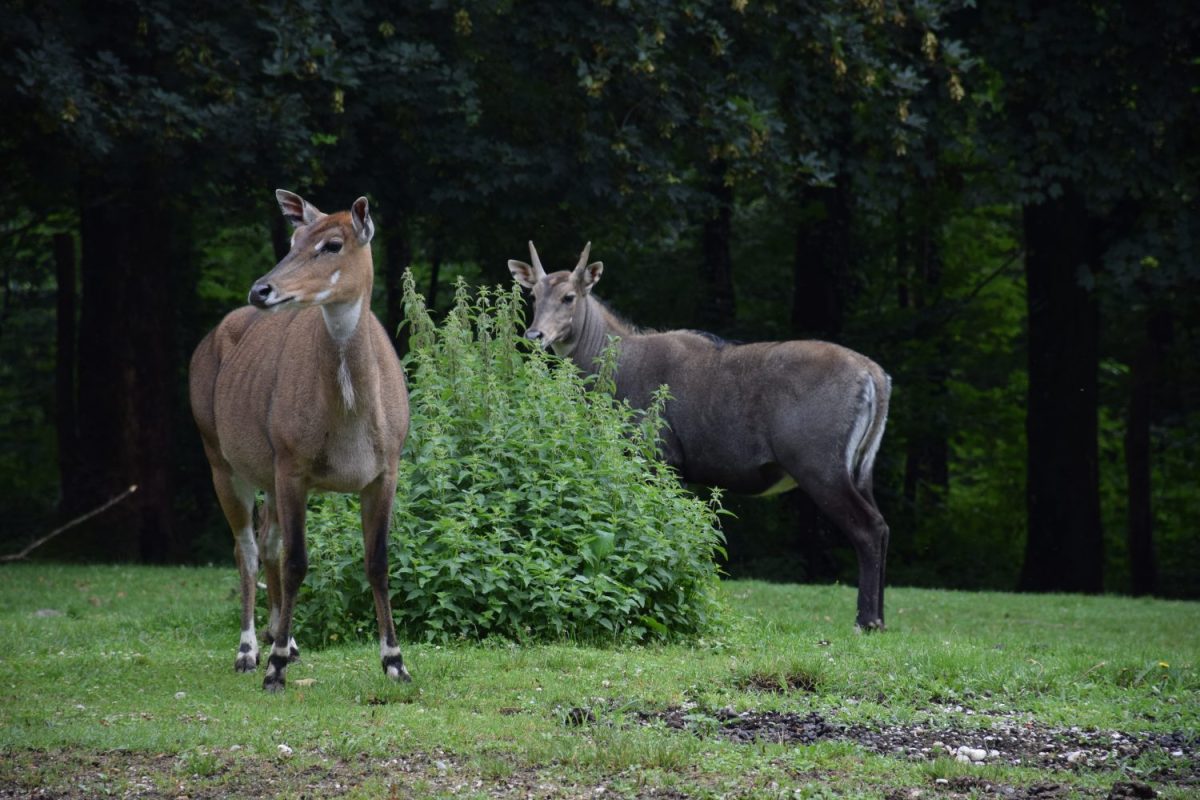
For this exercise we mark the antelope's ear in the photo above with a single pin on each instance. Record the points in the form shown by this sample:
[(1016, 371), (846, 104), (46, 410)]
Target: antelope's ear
[(360, 217), (589, 276), (296, 209), (523, 273)]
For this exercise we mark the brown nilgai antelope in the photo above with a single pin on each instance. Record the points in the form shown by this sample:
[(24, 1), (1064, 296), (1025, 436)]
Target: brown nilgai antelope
[(754, 418), (301, 391)]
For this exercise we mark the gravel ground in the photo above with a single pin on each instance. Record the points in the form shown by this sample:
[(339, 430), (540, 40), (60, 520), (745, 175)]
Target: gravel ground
[(1164, 758)]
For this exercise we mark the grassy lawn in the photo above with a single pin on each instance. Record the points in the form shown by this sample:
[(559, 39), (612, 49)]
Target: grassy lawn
[(119, 681)]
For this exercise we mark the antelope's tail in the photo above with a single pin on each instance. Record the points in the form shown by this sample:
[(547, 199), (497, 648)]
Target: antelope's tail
[(869, 426)]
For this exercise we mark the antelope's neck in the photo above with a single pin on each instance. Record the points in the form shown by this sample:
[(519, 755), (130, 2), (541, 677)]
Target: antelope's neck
[(347, 335), (593, 336), (341, 320)]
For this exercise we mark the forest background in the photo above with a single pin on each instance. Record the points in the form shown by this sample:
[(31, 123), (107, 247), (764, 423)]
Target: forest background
[(995, 202)]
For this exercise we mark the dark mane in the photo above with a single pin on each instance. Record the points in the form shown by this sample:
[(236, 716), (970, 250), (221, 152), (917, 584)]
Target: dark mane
[(718, 341)]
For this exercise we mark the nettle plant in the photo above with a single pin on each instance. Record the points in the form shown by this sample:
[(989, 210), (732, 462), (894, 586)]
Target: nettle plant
[(528, 508)]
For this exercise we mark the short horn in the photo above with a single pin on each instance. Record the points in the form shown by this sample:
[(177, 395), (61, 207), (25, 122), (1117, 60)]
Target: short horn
[(583, 257), (540, 272)]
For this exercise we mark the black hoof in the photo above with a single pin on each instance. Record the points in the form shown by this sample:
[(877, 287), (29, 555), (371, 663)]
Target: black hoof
[(275, 680), (871, 626), (293, 655), (393, 667), (246, 661)]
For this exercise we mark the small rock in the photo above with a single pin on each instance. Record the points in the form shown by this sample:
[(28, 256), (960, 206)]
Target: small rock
[(442, 766), (942, 782), (285, 751), (48, 612), (971, 754), (1074, 757), (180, 695)]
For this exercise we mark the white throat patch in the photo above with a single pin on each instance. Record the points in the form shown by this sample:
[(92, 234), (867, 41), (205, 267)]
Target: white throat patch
[(341, 319)]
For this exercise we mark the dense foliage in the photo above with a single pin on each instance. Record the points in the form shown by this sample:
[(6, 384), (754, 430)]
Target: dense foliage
[(525, 508)]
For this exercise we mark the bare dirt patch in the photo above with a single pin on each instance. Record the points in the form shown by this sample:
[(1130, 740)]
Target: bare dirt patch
[(1172, 758)]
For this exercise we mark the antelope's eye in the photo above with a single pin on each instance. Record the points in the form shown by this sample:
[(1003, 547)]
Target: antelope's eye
[(334, 246), (568, 299)]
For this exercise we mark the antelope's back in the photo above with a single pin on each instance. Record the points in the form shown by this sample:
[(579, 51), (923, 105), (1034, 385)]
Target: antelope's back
[(205, 367)]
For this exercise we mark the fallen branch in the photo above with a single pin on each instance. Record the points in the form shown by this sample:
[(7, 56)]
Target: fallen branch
[(78, 520)]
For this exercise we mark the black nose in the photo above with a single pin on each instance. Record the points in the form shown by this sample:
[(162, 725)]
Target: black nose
[(259, 293), (534, 334)]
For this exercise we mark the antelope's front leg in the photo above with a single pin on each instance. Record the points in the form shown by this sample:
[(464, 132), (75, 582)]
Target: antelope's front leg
[(376, 501), (270, 545), (290, 497)]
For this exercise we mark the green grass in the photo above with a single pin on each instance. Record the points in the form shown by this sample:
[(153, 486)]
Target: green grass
[(140, 660)]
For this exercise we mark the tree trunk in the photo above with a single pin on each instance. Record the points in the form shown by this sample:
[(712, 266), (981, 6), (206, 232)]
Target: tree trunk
[(128, 368), (64, 360), (1064, 548), (822, 261), (1143, 568), (717, 304), (927, 452)]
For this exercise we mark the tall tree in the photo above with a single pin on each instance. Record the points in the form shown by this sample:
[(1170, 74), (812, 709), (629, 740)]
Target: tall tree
[(1064, 549), (1096, 100), (143, 111)]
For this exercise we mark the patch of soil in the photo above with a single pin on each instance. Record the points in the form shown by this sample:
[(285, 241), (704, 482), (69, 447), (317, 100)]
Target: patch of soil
[(84, 775), (1172, 757)]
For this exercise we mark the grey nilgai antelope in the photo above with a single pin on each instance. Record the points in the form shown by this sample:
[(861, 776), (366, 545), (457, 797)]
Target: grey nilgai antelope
[(750, 418), (302, 391)]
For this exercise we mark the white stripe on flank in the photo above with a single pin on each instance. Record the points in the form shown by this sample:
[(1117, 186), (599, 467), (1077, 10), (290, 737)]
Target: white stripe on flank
[(872, 447), (862, 424)]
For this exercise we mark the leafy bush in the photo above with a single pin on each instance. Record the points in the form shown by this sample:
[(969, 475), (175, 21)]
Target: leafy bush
[(527, 507)]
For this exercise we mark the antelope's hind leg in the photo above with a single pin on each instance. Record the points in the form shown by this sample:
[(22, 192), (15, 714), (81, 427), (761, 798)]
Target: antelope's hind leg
[(856, 514), (377, 501), (237, 501)]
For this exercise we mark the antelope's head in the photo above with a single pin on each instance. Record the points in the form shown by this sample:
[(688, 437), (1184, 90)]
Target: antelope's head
[(329, 260), (557, 297)]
